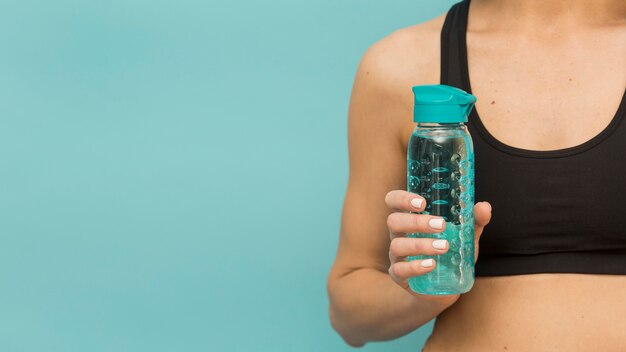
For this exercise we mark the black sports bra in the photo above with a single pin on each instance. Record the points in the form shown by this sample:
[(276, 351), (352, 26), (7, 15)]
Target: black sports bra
[(557, 211)]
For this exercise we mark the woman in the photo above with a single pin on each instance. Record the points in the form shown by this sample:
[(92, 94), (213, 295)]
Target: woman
[(550, 150)]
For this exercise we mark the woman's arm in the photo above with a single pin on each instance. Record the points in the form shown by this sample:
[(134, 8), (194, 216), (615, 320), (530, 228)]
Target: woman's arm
[(365, 303), (367, 306)]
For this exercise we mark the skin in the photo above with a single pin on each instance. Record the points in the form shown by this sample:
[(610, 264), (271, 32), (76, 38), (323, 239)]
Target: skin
[(569, 72)]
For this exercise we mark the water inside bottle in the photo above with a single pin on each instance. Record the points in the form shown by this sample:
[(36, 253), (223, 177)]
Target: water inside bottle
[(440, 169)]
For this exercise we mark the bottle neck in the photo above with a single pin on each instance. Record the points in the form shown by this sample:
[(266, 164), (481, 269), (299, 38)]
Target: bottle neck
[(440, 125)]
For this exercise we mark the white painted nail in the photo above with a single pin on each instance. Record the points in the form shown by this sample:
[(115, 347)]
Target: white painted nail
[(427, 263), (417, 202), (436, 223), (439, 244)]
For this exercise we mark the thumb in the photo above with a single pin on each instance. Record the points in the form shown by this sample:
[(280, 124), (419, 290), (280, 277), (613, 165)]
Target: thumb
[(482, 216)]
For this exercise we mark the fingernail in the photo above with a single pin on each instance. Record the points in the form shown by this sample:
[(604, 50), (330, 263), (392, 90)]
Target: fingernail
[(439, 244), (417, 202), (427, 263), (436, 223)]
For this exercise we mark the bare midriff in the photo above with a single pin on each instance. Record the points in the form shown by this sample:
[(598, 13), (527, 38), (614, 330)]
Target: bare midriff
[(538, 312)]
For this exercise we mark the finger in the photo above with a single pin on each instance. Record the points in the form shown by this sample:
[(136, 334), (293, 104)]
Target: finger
[(404, 201), (402, 223), (482, 216), (402, 247), (401, 271)]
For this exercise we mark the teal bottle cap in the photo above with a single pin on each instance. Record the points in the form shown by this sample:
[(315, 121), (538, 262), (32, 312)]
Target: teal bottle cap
[(440, 103)]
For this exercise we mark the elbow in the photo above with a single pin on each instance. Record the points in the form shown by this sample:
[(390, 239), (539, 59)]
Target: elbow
[(344, 329), (341, 320)]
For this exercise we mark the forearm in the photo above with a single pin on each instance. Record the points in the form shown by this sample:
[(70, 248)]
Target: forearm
[(366, 305)]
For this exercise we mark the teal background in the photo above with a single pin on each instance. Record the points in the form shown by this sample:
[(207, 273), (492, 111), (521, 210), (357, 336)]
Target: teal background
[(172, 172)]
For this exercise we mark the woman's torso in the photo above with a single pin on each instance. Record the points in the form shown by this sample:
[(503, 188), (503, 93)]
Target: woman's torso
[(538, 312), (579, 88)]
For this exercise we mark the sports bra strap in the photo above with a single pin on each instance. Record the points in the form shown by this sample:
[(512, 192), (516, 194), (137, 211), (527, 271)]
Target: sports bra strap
[(453, 47)]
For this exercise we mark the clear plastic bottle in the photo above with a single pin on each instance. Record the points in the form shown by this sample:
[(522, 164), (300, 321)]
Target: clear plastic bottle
[(440, 168)]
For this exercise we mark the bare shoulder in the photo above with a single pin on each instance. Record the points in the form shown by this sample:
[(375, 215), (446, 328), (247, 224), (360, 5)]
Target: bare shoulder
[(381, 94), (409, 55)]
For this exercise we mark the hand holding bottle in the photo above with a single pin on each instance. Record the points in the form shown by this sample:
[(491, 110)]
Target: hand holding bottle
[(402, 222)]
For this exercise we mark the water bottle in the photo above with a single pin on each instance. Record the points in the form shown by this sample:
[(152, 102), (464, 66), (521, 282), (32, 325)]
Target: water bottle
[(440, 168)]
